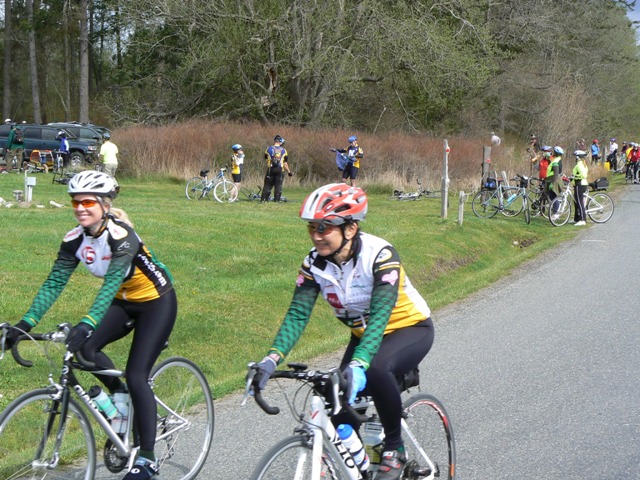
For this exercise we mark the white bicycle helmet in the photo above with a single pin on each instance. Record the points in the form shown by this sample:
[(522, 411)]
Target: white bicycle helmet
[(94, 183), (559, 151)]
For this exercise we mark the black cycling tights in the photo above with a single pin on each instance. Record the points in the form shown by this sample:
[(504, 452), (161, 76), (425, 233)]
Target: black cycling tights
[(153, 321), (400, 352)]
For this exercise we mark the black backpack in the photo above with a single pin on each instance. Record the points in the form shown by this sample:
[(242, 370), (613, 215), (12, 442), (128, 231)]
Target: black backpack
[(18, 136)]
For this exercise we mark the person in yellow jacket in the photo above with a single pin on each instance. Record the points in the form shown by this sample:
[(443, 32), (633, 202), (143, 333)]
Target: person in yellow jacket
[(554, 178), (580, 187), (237, 165)]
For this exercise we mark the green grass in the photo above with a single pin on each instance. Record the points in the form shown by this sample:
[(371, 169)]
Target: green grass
[(235, 266)]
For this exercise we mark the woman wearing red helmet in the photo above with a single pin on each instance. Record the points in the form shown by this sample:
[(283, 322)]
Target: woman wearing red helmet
[(363, 280)]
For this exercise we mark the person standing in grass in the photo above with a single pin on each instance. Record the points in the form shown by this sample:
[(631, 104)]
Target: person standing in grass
[(137, 295), (595, 152), (354, 154), (554, 178), (277, 160), (237, 165), (109, 155), (362, 278)]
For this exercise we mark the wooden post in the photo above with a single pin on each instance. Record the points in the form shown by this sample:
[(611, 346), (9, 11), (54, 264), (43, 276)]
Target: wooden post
[(486, 164), (445, 180), (463, 198)]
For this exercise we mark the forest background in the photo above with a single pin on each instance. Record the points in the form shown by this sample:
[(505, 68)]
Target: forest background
[(184, 79)]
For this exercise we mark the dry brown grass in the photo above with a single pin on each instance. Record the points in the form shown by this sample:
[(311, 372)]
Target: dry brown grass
[(391, 160)]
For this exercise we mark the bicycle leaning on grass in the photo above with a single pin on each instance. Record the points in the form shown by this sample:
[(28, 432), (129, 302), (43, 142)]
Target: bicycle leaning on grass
[(224, 191), (315, 451), (46, 433), (508, 200)]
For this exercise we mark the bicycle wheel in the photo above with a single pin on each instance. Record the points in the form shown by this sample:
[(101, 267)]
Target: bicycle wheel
[(185, 418), (292, 458), (526, 210), (429, 431), (560, 210), (485, 204), (600, 207), (28, 429), (195, 188), (225, 191), (515, 207)]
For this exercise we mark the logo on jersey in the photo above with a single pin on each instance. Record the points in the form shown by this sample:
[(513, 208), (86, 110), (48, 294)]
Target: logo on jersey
[(333, 300), (299, 280), (124, 245), (391, 277), (384, 255), (88, 255)]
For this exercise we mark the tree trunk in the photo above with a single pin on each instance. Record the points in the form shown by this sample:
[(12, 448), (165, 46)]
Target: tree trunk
[(6, 101), (33, 66), (66, 11), (83, 94)]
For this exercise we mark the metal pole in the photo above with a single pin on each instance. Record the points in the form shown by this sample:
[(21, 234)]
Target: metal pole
[(445, 179)]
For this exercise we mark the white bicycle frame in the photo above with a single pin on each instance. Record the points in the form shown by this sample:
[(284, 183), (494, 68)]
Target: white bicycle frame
[(324, 433)]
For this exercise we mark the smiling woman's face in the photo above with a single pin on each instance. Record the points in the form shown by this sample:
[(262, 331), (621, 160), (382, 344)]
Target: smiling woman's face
[(87, 209)]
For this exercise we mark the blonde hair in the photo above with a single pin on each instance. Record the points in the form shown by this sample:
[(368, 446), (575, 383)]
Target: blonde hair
[(118, 212), (122, 216)]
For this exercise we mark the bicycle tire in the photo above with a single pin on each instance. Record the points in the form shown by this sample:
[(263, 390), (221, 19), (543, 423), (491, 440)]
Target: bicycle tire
[(292, 458), (26, 447), (185, 418), (485, 203), (562, 207), (195, 188), (526, 210), (600, 207), (431, 430), (516, 206), (225, 191)]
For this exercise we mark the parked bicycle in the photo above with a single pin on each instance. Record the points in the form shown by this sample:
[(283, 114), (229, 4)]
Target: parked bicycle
[(315, 451), (599, 206), (46, 433), (418, 194), (538, 198), (224, 190), (508, 200)]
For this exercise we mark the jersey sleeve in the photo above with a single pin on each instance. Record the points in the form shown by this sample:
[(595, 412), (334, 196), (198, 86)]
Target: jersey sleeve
[(63, 267), (124, 245), (298, 314), (386, 282)]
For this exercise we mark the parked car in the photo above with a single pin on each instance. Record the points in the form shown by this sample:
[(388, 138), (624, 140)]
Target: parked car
[(45, 137), (83, 131)]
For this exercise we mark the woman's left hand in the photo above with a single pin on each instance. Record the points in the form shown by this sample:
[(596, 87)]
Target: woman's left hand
[(78, 336)]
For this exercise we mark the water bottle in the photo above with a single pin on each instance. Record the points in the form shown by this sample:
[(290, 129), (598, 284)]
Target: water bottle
[(354, 445), (121, 401), (511, 198), (103, 402), (372, 437)]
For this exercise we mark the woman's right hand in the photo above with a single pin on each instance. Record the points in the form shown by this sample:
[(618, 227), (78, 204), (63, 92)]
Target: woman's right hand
[(14, 332)]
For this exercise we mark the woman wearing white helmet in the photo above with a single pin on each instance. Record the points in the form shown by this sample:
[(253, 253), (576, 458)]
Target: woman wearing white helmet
[(136, 287), (237, 165), (363, 280)]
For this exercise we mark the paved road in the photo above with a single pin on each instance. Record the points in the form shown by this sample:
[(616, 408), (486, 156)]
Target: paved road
[(538, 371)]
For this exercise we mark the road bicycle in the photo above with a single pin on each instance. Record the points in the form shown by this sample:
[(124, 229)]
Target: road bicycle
[(508, 200), (46, 433), (632, 174), (315, 451), (599, 205), (418, 194), (224, 190), (538, 198)]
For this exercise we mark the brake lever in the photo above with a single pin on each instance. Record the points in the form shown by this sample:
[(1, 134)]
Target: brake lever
[(250, 376)]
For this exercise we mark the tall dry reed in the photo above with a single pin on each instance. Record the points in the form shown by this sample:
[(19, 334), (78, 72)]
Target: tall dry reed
[(392, 160)]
